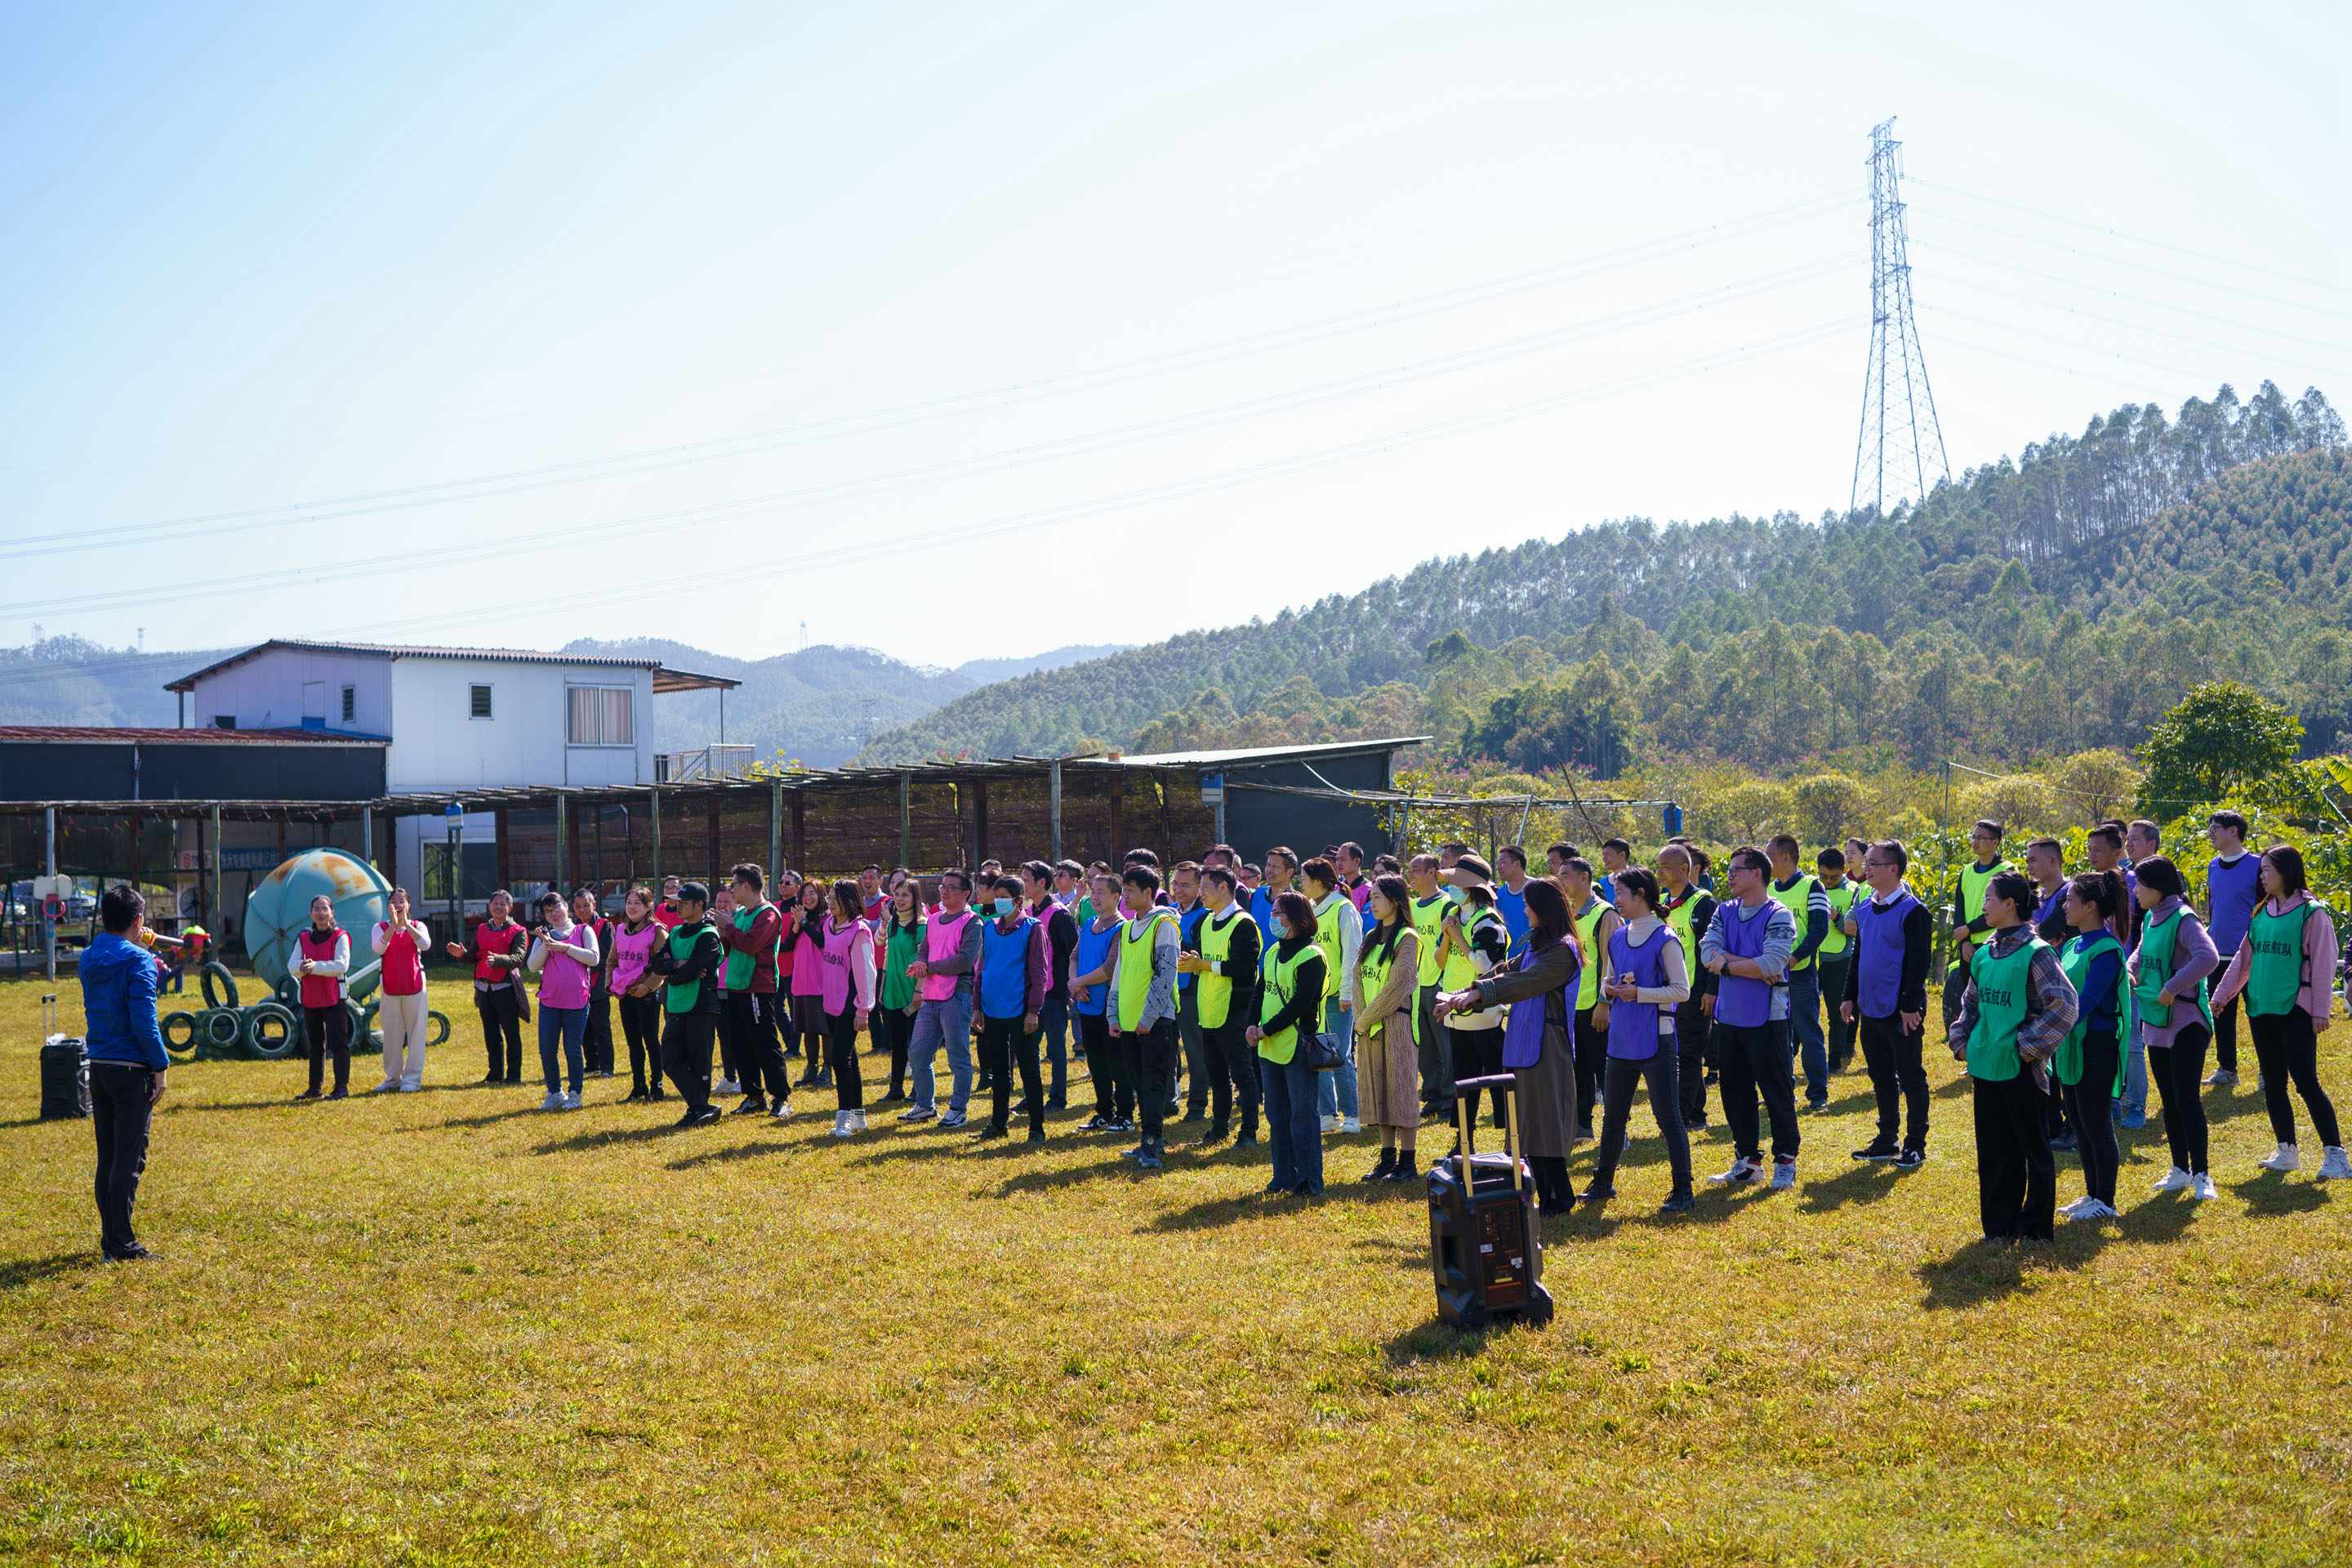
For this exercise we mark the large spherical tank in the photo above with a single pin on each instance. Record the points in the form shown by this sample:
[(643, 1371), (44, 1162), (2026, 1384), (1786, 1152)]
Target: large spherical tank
[(281, 907)]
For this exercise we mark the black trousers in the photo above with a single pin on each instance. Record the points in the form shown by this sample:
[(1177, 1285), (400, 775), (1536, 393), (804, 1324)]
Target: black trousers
[(1004, 1042), (897, 1030), (1591, 1051), (328, 1032), (2016, 1181), (759, 1058), (686, 1055), (596, 1044), (641, 1022), (501, 1015), (2089, 1103), (1693, 1035), (121, 1109), (1898, 1077), (1154, 1054), (841, 1055), (2225, 1033), (1755, 1062), (1662, 1070), (2179, 1072), (1841, 1034), (2288, 1052), (806, 1023), (1477, 1053), (1233, 1077)]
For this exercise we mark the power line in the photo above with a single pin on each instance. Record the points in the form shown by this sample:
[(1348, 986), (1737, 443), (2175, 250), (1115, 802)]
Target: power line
[(2121, 321), (2119, 261), (2170, 310)]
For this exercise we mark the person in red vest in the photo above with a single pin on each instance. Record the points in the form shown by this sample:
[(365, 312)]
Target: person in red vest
[(498, 949), (323, 956), (402, 942)]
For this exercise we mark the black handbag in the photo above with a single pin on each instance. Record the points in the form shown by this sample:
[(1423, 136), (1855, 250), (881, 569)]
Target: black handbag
[(1321, 1052)]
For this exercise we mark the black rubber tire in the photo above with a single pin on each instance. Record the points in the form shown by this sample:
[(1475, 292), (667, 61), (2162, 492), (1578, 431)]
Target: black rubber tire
[(365, 1029), (289, 995), (436, 1029), (180, 1035), (272, 1032), (220, 985), (219, 1031)]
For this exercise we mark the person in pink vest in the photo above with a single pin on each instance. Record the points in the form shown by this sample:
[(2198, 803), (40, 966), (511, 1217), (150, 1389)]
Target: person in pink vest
[(846, 955), (944, 983), (565, 957), (805, 936), (401, 943), (637, 988), (323, 956)]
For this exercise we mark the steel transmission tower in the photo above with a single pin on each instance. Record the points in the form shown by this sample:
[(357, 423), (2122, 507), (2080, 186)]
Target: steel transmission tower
[(1901, 444)]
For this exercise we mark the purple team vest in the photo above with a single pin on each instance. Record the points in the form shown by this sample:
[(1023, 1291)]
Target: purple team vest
[(1634, 1026), (1739, 1002), (1523, 1028), (1878, 948)]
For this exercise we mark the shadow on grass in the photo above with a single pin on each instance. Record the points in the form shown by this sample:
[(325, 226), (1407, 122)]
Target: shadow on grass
[(1988, 1270), (1438, 1340), (2269, 1196), (605, 1138), (1861, 1184), (192, 1108), (19, 1272)]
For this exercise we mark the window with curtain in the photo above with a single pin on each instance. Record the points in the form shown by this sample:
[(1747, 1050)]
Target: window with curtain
[(603, 716)]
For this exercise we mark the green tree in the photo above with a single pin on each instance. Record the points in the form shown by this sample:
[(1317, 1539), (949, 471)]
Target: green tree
[(1825, 804), (2222, 734)]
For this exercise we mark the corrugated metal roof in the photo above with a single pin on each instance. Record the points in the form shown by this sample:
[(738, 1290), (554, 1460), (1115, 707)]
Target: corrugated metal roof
[(1262, 754), (665, 680), (101, 735)]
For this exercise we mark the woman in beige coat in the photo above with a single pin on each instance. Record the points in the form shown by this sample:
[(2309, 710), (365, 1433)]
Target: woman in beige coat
[(1388, 1062)]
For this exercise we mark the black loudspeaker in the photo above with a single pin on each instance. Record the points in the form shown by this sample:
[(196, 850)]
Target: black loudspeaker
[(1484, 1252)]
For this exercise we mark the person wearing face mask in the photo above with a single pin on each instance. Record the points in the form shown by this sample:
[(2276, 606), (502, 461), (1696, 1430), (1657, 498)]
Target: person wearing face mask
[(1015, 973), (943, 1016), (1143, 1007), (1294, 979), (323, 956)]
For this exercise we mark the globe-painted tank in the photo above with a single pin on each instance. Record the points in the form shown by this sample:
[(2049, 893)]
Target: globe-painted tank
[(281, 907)]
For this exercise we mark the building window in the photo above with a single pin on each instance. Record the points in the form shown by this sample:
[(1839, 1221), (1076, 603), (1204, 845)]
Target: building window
[(478, 705), (224, 721), (351, 704), (603, 716)]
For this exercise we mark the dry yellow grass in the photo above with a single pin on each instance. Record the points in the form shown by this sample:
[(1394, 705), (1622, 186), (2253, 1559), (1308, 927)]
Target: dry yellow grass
[(447, 1328)]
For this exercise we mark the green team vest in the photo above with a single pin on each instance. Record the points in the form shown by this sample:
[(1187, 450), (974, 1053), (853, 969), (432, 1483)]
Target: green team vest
[(2275, 961), (1459, 970), (741, 964), (1798, 900), (1973, 883), (1134, 968), (1281, 986), (682, 998), (1327, 937), (905, 946), (2075, 962), (2002, 987), (1214, 994), (1840, 900), (1588, 934), (1427, 914), (2156, 956)]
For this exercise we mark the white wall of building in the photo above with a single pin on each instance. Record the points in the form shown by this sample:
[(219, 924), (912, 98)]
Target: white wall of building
[(436, 744), (273, 692)]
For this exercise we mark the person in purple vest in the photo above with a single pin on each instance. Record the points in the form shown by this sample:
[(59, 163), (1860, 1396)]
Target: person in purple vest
[(1886, 994), (1646, 978), (1747, 949), (2233, 889)]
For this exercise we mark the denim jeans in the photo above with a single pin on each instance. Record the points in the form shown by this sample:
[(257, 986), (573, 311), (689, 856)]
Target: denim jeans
[(943, 1023), (568, 1026), (1336, 1090), (1805, 1037), (1291, 1126)]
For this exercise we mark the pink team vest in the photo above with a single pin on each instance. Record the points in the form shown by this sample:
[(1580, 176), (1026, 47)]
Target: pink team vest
[(318, 947), (941, 938), (840, 943), (563, 979), (632, 954)]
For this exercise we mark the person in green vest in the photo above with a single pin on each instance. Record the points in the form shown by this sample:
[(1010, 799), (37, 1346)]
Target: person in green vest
[(1968, 906), (1426, 907), (2168, 971), (2015, 1010), (1808, 908), (1595, 922), (902, 944), (2284, 969), (1835, 957), (2089, 1063), (689, 962), (1294, 976)]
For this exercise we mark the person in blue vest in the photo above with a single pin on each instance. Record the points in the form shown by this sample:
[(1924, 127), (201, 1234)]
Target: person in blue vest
[(1015, 973), (1747, 949), (1887, 997), (1615, 856), (1281, 868), (1511, 896), (1091, 962), (1646, 978), (2016, 1010), (2233, 888), (127, 1062)]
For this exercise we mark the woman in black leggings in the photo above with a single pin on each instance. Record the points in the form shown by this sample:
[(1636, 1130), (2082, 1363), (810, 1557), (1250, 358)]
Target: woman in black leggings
[(2284, 969), (2089, 1064), (895, 994), (2167, 974)]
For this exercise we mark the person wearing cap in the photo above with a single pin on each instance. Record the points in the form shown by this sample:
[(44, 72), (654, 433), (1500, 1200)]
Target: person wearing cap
[(687, 962)]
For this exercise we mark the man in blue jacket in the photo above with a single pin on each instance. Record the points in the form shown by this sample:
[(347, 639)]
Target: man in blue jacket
[(126, 1060)]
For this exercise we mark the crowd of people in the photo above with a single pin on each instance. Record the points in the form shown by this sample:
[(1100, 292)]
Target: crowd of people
[(1293, 999)]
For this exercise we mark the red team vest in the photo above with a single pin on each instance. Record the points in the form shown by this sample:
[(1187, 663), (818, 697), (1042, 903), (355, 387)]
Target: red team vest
[(318, 947)]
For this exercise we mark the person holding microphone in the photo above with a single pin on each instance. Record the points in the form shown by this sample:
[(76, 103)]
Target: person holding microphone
[(127, 1063)]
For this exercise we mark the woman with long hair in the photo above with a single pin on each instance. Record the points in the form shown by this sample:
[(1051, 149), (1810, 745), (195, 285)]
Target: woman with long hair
[(806, 940), (639, 991), (2286, 970), (902, 944), (2089, 1065), (1388, 1064), (2014, 1012), (1540, 987), (1294, 978), (846, 955), (2168, 972)]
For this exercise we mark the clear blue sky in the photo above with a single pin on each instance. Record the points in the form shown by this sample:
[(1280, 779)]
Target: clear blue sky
[(253, 256)]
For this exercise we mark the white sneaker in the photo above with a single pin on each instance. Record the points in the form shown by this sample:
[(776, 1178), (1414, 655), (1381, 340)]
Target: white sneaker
[(2176, 1179), (553, 1101), (1332, 1123), (572, 1102), (1784, 1175), (2221, 1078), (2203, 1188), (387, 1087), (783, 1111), (857, 1122), (2076, 1209), (841, 1124), (1742, 1170), (2098, 1210), (2285, 1158), (410, 1088), (1350, 1125), (725, 1086)]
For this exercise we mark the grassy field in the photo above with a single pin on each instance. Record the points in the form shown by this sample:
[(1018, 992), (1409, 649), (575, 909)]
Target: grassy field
[(447, 1328)]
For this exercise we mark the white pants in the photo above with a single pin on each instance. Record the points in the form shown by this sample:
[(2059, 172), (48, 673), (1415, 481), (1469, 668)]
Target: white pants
[(401, 1019)]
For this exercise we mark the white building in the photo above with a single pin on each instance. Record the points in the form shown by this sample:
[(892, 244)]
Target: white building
[(455, 717)]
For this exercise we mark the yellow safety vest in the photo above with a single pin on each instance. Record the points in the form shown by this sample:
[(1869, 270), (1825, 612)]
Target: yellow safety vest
[(1214, 994), (1588, 935)]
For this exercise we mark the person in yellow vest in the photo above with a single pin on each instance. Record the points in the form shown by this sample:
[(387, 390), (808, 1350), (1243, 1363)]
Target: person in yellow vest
[(1808, 908), (1968, 907), (1293, 974), (1223, 965), (2016, 1009), (1426, 908), (1143, 1005), (1339, 927), (1386, 966), (1473, 940), (1595, 923), (1836, 955)]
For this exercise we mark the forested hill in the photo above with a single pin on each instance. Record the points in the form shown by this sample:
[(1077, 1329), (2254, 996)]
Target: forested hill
[(2075, 524)]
